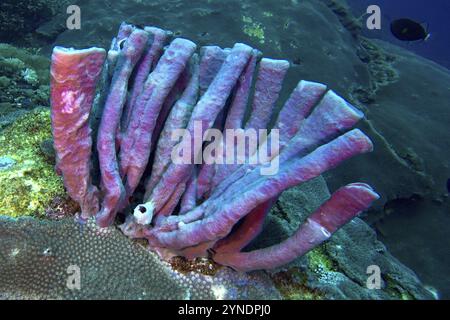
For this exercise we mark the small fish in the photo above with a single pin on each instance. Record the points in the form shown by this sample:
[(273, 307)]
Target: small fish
[(409, 30)]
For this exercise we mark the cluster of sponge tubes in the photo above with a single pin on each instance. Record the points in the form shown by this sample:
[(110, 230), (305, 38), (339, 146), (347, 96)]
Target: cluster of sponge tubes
[(153, 85)]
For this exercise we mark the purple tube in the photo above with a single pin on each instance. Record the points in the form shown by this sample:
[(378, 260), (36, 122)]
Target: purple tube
[(147, 62), (136, 144), (189, 199), (177, 119), (248, 230), (267, 89), (210, 175), (241, 95), (106, 142), (222, 213), (174, 95), (125, 30), (211, 59), (74, 75), (204, 114), (204, 180), (172, 203), (343, 206), (300, 103), (332, 116)]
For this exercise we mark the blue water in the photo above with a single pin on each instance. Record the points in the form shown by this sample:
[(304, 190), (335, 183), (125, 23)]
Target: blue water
[(434, 12)]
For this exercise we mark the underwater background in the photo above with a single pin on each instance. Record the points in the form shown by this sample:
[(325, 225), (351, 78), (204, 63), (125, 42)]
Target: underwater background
[(433, 14), (403, 89)]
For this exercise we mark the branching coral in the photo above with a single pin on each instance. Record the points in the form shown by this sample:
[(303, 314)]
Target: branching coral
[(196, 208)]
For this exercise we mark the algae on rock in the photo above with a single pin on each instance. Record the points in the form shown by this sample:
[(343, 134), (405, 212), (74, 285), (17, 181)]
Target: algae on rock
[(28, 186)]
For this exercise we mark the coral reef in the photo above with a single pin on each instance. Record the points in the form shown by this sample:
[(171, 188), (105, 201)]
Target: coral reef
[(36, 258), (19, 18), (28, 184), (338, 268), (23, 59), (24, 82), (310, 135), (414, 163), (309, 35)]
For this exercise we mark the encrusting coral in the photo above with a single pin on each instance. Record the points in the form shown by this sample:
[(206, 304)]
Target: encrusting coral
[(29, 184), (38, 256), (190, 208)]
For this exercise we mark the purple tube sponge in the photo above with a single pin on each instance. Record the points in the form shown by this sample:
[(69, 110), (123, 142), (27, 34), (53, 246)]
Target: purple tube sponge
[(136, 145), (74, 75), (344, 205), (267, 89), (204, 113), (215, 218), (177, 119), (112, 186), (194, 209), (148, 61)]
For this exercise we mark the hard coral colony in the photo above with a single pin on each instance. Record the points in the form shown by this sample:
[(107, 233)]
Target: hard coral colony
[(195, 210)]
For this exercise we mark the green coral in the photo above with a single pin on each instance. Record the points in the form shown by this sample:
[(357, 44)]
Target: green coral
[(319, 261), (29, 186), (325, 269), (346, 18), (293, 284), (18, 59), (30, 76), (253, 29), (11, 65), (25, 79)]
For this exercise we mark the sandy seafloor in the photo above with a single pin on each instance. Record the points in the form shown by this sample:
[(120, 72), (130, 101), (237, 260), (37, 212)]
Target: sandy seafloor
[(405, 98)]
